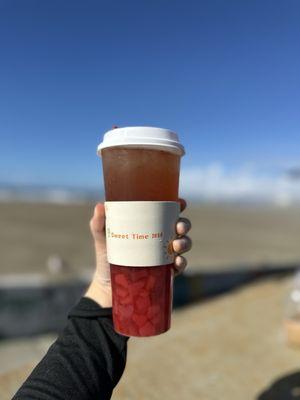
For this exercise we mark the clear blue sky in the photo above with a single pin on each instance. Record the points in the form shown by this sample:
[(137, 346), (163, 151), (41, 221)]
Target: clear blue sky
[(224, 74)]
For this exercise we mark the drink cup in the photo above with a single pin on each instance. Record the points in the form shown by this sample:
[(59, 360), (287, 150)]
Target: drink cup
[(141, 175)]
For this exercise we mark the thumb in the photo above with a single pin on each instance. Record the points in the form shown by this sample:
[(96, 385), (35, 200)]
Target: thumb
[(97, 222)]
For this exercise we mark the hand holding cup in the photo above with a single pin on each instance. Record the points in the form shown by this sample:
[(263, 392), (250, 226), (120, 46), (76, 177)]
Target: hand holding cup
[(100, 288)]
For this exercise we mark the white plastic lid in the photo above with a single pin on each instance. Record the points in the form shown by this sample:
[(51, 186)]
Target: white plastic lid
[(142, 136)]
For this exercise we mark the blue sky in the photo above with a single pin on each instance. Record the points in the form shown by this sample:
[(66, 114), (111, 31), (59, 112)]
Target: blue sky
[(223, 74)]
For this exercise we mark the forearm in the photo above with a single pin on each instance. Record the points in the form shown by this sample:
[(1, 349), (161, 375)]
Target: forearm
[(86, 361)]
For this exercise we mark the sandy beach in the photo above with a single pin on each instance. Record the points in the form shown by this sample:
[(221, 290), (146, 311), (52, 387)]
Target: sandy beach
[(224, 236), (232, 348), (226, 336)]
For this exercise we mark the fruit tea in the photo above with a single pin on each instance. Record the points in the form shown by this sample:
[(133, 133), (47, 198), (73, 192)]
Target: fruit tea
[(142, 295)]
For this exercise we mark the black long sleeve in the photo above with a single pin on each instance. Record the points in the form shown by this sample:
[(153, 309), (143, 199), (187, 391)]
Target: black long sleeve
[(84, 363)]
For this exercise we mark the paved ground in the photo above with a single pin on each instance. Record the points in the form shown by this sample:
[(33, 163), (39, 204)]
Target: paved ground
[(231, 348), (224, 236)]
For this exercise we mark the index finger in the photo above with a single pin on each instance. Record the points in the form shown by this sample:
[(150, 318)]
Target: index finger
[(182, 203)]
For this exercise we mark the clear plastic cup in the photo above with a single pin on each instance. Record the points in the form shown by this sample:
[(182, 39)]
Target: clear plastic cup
[(142, 296)]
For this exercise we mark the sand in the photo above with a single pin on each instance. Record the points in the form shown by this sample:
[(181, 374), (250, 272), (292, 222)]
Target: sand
[(230, 348), (223, 236)]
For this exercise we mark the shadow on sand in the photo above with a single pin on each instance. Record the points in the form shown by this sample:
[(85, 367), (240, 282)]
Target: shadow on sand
[(202, 286), (31, 310), (285, 388)]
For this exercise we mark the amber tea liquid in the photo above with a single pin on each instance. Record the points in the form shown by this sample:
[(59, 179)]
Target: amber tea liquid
[(142, 296)]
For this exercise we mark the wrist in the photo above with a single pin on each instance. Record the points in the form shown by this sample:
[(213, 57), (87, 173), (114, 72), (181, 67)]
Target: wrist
[(100, 293)]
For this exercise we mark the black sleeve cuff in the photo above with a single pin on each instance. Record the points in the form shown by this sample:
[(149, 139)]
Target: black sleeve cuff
[(88, 308)]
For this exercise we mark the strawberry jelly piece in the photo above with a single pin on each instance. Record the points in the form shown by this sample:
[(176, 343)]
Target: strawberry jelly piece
[(121, 279), (142, 303), (158, 286), (126, 300), (121, 292), (140, 320), (136, 287), (157, 319), (126, 311), (144, 293), (157, 272), (118, 325), (132, 329), (139, 273), (150, 282), (147, 330), (152, 311)]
